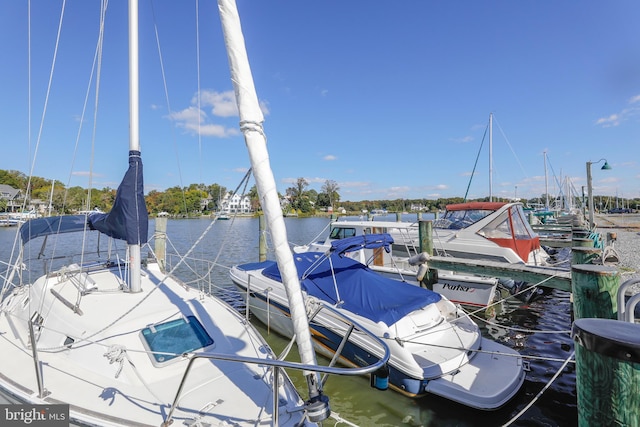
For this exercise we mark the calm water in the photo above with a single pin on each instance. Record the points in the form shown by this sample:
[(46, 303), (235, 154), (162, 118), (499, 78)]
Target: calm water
[(523, 327)]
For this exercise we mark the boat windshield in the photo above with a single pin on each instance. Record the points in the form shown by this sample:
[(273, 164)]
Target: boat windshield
[(342, 232), (509, 224), (459, 219)]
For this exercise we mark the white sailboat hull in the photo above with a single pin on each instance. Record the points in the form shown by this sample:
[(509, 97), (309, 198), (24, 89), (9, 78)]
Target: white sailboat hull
[(135, 389)]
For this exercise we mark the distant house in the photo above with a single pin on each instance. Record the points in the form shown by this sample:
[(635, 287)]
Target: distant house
[(12, 196), (40, 206), (205, 202), (236, 204)]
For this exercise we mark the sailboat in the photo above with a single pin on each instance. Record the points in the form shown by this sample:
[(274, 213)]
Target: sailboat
[(118, 341)]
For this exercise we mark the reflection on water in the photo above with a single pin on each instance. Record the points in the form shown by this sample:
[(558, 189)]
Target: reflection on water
[(512, 323)]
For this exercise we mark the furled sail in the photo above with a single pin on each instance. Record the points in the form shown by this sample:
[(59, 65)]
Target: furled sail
[(251, 119)]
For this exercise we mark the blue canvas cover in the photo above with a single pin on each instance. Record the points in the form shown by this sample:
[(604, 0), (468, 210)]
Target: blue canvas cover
[(128, 219), (364, 241), (52, 225), (362, 291)]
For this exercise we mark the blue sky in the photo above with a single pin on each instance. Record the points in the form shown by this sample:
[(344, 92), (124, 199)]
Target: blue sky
[(389, 99)]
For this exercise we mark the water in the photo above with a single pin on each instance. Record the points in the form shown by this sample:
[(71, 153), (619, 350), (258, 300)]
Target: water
[(514, 324)]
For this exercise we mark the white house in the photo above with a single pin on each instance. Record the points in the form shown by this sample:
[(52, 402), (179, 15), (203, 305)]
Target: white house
[(236, 203)]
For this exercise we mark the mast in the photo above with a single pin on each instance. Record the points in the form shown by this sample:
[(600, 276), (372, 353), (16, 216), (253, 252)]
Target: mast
[(491, 157), (134, 129), (251, 120)]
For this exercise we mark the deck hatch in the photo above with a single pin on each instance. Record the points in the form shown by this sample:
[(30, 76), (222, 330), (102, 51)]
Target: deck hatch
[(169, 340)]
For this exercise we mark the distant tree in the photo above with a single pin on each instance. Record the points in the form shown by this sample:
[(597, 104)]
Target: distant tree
[(331, 188), (16, 179), (323, 200), (296, 193), (255, 198)]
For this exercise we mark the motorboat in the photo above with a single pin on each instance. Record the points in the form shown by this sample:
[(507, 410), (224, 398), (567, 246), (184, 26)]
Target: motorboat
[(491, 231), (435, 347)]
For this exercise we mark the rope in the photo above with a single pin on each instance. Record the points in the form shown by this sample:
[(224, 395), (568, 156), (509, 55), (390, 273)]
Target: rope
[(117, 354), (535, 399), (340, 420)]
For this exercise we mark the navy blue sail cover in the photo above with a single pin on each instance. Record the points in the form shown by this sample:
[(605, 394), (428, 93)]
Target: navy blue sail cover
[(365, 241), (128, 219), (52, 225), (362, 291)]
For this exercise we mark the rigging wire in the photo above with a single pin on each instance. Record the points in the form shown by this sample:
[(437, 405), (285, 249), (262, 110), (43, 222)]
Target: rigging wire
[(476, 163)]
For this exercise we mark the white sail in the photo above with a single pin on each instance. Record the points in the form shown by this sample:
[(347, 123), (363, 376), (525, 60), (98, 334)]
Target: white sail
[(251, 120)]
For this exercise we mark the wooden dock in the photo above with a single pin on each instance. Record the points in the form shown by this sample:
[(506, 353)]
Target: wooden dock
[(545, 276)]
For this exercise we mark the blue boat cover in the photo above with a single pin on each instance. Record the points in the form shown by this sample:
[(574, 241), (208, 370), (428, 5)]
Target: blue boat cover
[(364, 241), (52, 225), (362, 291), (128, 219)]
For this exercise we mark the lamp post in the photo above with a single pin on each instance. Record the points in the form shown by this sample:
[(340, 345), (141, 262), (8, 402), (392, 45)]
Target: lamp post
[(590, 187)]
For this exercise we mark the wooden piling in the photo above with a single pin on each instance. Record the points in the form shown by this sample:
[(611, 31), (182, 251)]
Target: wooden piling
[(584, 255), (425, 230), (594, 289), (262, 244), (607, 372), (160, 246)]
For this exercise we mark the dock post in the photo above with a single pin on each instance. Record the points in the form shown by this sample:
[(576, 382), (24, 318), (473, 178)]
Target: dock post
[(594, 290), (607, 372), (262, 239), (425, 230), (398, 216), (584, 255), (160, 246)]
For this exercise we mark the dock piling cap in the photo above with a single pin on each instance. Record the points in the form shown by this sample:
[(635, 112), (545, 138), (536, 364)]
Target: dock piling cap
[(613, 338)]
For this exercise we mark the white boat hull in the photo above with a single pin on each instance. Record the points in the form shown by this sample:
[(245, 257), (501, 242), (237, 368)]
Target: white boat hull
[(135, 390), (445, 360)]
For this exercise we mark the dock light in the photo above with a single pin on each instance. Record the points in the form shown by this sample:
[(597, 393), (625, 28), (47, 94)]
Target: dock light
[(590, 187)]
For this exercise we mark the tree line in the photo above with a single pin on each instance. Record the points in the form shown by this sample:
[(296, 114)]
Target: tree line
[(198, 199)]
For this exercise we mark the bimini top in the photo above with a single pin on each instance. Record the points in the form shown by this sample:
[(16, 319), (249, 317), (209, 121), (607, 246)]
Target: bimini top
[(491, 206), (356, 288)]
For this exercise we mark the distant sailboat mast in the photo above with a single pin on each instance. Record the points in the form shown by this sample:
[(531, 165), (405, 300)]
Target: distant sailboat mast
[(546, 183), (491, 157)]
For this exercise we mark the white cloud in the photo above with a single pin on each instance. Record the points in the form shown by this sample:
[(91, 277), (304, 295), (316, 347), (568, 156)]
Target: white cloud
[(612, 120), (617, 118), (329, 157), (463, 139), (219, 104), (223, 104)]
